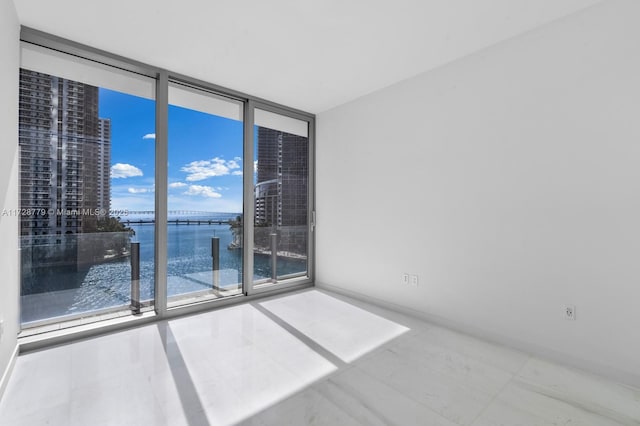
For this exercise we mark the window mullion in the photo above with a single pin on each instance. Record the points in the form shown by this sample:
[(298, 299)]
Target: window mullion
[(249, 207), (162, 156)]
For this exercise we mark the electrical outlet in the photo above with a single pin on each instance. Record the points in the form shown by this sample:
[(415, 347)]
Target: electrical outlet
[(414, 280), (405, 278), (570, 312)]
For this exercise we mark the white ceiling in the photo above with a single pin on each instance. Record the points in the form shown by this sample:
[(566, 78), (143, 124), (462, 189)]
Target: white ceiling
[(307, 54)]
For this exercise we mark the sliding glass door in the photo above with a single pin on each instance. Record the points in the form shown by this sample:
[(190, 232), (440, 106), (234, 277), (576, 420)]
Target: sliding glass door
[(205, 208), (281, 198)]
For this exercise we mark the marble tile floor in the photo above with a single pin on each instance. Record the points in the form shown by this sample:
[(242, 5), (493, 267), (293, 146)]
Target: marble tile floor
[(310, 357)]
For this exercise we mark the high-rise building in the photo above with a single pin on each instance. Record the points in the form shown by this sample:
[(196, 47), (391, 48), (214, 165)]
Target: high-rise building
[(104, 167), (64, 150), (282, 178)]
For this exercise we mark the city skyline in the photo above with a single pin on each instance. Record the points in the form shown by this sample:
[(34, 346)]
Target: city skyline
[(205, 168)]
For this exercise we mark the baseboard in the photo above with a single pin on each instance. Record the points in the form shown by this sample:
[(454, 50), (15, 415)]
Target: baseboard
[(7, 371), (619, 376)]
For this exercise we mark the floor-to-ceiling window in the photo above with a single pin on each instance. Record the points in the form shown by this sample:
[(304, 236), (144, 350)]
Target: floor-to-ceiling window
[(205, 203), (281, 197), (86, 167), (229, 211)]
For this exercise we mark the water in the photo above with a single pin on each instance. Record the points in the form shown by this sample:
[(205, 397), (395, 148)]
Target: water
[(189, 267)]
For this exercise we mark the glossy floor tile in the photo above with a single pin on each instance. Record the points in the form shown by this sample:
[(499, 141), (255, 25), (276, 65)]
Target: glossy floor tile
[(344, 329), (309, 357)]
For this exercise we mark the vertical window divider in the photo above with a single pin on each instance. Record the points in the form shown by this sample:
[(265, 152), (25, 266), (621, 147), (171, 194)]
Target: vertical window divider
[(249, 207), (161, 180), (311, 204)]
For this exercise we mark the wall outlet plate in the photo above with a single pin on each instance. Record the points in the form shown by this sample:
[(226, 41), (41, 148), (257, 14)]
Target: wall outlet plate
[(570, 312), (405, 278), (414, 280)]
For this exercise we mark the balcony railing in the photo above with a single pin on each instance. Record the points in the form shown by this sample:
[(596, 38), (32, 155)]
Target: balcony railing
[(66, 277)]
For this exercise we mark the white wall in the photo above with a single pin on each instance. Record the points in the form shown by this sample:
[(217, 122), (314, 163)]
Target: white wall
[(9, 281), (510, 182)]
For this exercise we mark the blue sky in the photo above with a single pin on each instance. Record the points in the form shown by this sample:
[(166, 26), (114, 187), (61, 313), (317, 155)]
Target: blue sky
[(205, 156)]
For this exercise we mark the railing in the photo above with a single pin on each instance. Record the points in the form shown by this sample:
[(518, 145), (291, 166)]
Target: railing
[(135, 278), (82, 275)]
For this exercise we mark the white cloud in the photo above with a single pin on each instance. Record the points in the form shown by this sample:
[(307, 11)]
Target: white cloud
[(142, 190), (137, 190), (255, 166), (237, 173), (121, 170), (202, 190), (177, 185), (200, 170), (149, 136)]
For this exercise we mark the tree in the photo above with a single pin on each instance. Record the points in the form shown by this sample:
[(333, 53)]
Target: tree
[(236, 231), (113, 224)]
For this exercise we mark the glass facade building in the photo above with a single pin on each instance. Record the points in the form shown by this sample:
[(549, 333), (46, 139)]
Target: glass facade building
[(282, 178)]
